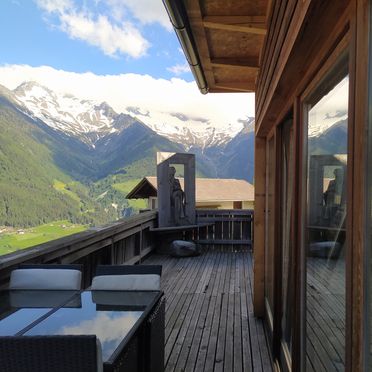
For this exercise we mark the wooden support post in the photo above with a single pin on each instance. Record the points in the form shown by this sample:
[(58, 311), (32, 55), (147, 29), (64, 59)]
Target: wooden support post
[(259, 227)]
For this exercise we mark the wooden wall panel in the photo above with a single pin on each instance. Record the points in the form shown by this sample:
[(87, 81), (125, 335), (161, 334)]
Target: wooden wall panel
[(310, 28), (359, 240)]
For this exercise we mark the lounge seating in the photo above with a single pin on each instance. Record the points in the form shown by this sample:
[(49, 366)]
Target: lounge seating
[(51, 353), (56, 277), (127, 278)]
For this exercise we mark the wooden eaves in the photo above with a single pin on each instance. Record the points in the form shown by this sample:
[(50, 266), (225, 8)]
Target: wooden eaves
[(226, 38)]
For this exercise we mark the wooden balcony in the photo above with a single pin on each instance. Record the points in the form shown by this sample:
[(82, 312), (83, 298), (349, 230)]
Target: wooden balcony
[(209, 312)]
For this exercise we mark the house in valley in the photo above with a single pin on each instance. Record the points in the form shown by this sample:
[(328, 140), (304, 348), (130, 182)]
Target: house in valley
[(211, 193)]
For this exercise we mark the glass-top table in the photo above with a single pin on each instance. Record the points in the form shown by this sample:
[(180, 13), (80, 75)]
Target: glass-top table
[(113, 316), (21, 308), (109, 315)]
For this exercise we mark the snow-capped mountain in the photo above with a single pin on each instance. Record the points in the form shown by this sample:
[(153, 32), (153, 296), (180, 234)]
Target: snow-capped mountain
[(196, 136), (91, 121), (88, 120), (321, 123)]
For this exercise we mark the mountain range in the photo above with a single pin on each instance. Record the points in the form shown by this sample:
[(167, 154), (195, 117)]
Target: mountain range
[(57, 148), (64, 157)]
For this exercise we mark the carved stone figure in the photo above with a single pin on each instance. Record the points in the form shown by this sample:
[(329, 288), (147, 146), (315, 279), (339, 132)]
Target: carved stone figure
[(177, 197), (333, 202), (176, 204)]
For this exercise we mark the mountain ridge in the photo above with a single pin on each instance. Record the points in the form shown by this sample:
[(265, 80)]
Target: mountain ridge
[(91, 120)]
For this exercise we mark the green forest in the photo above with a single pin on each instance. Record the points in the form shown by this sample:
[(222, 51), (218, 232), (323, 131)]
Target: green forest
[(34, 191)]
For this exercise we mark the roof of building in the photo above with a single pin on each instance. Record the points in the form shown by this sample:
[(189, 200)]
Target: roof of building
[(207, 189)]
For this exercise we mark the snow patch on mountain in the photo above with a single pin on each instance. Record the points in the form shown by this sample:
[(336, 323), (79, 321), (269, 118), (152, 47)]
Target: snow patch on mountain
[(91, 121), (85, 119), (190, 132)]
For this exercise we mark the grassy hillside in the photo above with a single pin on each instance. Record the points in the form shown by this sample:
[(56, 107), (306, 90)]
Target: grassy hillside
[(31, 185), (20, 239), (46, 175)]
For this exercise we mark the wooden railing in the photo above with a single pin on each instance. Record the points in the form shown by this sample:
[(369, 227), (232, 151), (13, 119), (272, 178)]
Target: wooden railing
[(225, 226), (125, 241)]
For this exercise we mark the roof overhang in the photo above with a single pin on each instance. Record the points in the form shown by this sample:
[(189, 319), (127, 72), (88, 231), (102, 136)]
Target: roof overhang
[(143, 190), (222, 41)]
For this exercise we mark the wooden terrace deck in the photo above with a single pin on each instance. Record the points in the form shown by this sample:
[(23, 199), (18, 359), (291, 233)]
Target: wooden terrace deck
[(325, 315), (210, 324)]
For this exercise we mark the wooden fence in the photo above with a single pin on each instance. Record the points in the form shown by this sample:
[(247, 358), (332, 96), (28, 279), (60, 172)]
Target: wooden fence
[(225, 226), (125, 241)]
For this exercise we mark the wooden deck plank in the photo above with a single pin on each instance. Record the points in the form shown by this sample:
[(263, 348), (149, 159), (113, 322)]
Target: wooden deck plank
[(260, 353), (212, 309), (326, 318), (198, 350), (209, 313)]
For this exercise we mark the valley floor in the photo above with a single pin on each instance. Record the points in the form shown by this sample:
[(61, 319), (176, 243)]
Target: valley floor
[(15, 239)]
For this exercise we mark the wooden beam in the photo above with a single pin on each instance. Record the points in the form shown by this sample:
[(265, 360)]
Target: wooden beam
[(199, 32), (251, 61), (236, 23), (259, 227), (236, 20), (233, 65), (233, 86)]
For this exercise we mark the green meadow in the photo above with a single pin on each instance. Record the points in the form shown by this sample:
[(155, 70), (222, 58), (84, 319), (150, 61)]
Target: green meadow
[(24, 238)]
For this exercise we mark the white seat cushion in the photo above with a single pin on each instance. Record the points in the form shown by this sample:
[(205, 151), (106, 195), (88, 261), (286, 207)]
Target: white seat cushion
[(64, 279), (137, 282)]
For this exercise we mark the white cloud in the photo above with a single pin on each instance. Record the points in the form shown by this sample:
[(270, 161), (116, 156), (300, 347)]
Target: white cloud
[(51, 6), (146, 11), (113, 37), (160, 97), (101, 33), (110, 329), (179, 69)]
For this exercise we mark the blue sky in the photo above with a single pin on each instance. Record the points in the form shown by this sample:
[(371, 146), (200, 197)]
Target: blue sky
[(124, 52), (72, 36)]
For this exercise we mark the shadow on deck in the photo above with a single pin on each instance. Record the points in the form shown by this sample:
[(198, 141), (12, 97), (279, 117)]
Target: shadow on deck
[(210, 324)]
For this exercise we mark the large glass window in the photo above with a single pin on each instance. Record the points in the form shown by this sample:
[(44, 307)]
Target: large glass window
[(287, 173), (270, 219), (325, 230)]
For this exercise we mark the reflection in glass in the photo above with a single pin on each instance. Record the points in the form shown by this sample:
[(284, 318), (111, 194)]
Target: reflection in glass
[(270, 215), (287, 170), (19, 308), (111, 323), (326, 234)]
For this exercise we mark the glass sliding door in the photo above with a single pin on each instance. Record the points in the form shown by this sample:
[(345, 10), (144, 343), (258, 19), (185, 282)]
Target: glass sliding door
[(326, 114), (270, 220), (287, 174)]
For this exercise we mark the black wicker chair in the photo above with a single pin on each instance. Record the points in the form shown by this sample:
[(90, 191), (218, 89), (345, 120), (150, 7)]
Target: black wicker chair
[(50, 354), (155, 339), (128, 270)]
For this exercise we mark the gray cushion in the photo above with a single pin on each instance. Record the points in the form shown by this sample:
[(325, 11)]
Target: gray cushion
[(182, 248), (325, 249), (63, 279), (138, 282)]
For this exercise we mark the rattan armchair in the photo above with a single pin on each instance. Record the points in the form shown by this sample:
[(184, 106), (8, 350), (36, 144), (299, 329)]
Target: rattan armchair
[(50, 354)]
